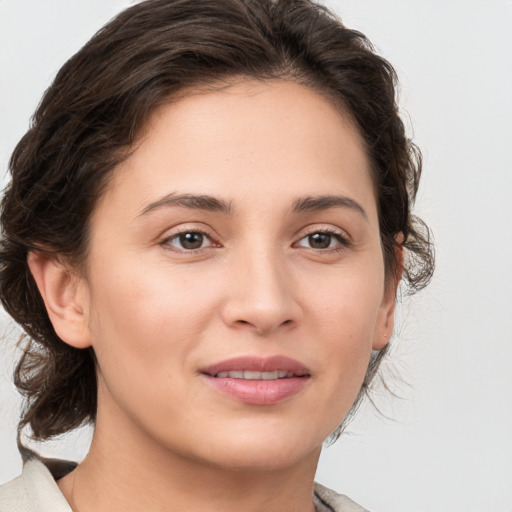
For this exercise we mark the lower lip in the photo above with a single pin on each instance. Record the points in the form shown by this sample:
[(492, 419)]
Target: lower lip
[(259, 392)]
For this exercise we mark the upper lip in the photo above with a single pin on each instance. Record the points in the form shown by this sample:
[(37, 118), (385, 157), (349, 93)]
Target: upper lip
[(258, 364)]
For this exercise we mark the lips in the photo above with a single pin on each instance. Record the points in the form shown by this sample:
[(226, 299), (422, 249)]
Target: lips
[(281, 364), (252, 375), (258, 381)]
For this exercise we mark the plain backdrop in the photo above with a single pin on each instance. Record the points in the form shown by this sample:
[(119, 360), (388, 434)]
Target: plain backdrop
[(445, 442)]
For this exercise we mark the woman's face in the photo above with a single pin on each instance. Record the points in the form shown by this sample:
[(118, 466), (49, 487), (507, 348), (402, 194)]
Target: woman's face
[(235, 280)]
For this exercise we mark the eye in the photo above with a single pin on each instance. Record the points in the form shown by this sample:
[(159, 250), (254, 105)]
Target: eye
[(189, 241), (322, 240)]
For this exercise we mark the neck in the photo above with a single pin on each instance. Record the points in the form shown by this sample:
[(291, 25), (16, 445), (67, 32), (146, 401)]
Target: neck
[(125, 470)]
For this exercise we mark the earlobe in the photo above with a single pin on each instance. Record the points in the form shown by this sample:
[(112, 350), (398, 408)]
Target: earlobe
[(64, 296), (386, 323)]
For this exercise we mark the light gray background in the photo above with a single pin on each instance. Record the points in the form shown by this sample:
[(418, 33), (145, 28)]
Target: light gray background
[(448, 443)]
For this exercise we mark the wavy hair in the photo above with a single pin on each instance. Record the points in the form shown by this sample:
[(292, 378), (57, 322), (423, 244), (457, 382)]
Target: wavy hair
[(100, 101)]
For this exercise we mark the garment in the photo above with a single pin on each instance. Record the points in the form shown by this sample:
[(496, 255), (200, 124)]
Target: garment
[(36, 491)]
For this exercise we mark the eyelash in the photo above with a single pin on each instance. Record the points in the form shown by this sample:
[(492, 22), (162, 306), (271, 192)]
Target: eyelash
[(166, 242), (343, 242)]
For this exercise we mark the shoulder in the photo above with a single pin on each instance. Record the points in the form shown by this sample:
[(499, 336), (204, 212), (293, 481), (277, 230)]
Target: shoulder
[(13, 496), (336, 502), (34, 489)]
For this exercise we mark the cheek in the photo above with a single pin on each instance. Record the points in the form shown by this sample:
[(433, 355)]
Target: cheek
[(147, 329), (346, 313), (149, 321), (348, 301)]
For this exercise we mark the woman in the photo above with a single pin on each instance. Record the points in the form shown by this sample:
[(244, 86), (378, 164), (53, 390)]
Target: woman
[(203, 237)]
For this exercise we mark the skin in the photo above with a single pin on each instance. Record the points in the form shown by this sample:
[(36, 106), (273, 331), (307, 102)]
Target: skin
[(157, 312)]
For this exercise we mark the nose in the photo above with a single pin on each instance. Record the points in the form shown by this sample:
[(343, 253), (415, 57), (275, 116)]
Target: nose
[(261, 294)]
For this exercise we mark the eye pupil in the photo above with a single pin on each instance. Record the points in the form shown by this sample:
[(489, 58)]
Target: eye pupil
[(320, 240), (191, 240)]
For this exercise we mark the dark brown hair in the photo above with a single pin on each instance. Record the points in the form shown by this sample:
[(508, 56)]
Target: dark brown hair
[(99, 102)]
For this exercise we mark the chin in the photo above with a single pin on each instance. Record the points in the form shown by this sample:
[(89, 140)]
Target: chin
[(262, 460), (260, 449)]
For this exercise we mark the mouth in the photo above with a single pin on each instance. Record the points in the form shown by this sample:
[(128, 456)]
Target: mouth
[(258, 381), (252, 375), (257, 368)]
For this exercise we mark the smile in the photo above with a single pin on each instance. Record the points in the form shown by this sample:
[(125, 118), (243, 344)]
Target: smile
[(258, 381), (252, 375), (257, 368)]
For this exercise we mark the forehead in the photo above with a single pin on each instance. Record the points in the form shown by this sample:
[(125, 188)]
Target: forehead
[(245, 138)]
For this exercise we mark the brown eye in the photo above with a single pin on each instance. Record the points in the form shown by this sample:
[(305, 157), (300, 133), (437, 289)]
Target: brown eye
[(189, 241), (319, 240), (323, 240)]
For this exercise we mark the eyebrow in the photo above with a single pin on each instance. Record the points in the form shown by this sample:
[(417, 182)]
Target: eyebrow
[(195, 202), (317, 203), (214, 204)]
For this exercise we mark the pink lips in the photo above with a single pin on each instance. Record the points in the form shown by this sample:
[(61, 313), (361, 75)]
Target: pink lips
[(258, 391)]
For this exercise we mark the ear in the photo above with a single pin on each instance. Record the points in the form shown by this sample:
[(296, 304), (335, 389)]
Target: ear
[(65, 296), (386, 321)]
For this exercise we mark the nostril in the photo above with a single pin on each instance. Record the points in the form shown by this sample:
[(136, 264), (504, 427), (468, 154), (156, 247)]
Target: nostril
[(261, 329), (260, 314)]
